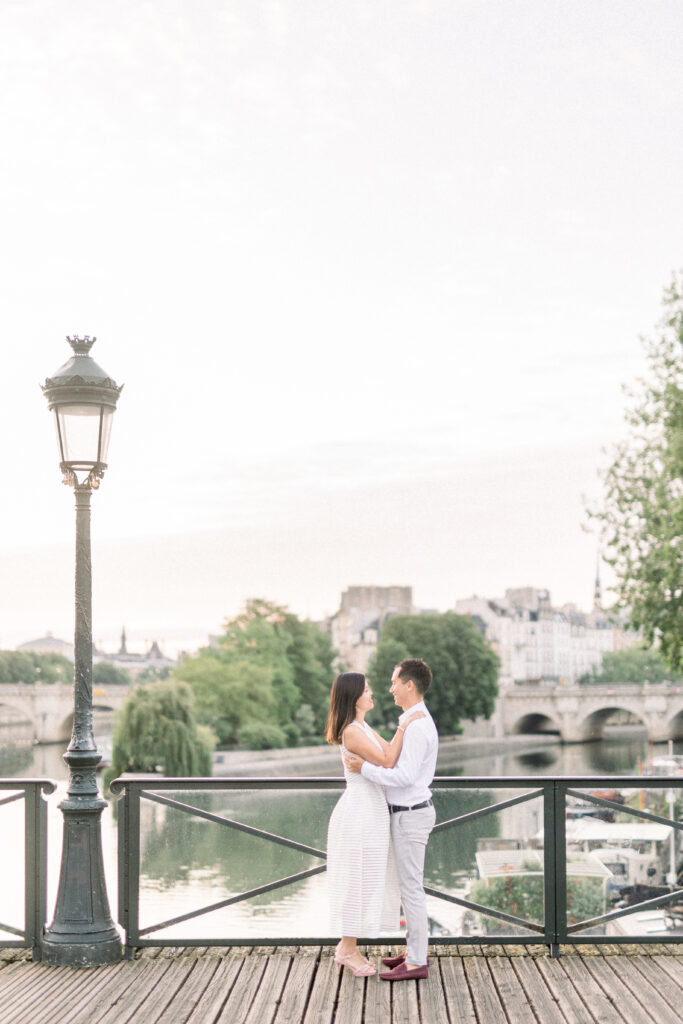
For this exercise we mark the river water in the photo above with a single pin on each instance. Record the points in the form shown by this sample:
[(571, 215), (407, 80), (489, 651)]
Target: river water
[(188, 863)]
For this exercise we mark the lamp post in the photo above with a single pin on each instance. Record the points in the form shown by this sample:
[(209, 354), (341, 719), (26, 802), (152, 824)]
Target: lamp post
[(83, 398)]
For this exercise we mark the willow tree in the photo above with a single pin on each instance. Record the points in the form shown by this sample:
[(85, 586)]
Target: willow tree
[(156, 730), (641, 516)]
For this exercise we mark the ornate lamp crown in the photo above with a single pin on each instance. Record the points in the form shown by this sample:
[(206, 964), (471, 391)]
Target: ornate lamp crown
[(81, 346)]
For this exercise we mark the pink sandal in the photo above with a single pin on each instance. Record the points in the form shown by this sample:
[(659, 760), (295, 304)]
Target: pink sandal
[(364, 970)]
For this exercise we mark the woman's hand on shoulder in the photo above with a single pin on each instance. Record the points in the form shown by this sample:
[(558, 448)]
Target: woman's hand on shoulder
[(414, 718)]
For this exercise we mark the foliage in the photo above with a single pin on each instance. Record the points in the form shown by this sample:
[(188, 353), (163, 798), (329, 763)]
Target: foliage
[(104, 673), (305, 719), (262, 736), (641, 518), (267, 667), (634, 665), (464, 667), (522, 896), (228, 694), (31, 667), (153, 674), (156, 729)]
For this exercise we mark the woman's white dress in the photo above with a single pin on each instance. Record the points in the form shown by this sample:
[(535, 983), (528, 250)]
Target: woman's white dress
[(361, 873)]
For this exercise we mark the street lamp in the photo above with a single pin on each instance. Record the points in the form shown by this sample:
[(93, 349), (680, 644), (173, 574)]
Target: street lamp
[(83, 398)]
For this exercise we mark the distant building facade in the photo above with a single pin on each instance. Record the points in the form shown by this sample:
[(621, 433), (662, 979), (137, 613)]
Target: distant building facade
[(48, 644), (356, 627), (135, 663), (537, 643)]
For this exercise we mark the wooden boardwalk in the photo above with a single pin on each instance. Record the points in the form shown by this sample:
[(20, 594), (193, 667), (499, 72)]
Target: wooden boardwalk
[(299, 985)]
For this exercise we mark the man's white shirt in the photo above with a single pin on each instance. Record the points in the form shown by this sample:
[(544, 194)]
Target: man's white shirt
[(408, 782)]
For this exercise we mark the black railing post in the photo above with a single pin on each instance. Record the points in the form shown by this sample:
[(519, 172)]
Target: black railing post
[(560, 871), (549, 868), (129, 867), (35, 867)]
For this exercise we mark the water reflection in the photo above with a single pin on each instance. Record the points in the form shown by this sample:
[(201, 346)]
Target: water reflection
[(187, 863)]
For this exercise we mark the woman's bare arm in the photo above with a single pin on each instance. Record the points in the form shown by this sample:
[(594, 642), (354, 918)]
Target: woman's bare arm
[(359, 743)]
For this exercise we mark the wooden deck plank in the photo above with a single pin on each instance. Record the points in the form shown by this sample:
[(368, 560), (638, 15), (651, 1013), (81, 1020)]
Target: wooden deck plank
[(456, 991), (323, 996), (569, 1001), (351, 998), (632, 1009), (205, 986), (658, 979), (624, 973), (484, 996), (601, 1006), (673, 967), (378, 994), (79, 992), (25, 977), (270, 990), (404, 1006), (211, 1003), (295, 994), (122, 1005), (243, 993), (102, 998), (430, 996), (513, 994), (185, 1000)]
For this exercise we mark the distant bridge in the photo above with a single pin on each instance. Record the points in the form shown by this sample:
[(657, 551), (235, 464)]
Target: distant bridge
[(49, 707), (579, 713)]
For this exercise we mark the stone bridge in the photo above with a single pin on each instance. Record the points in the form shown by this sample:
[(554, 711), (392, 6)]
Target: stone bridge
[(49, 707), (579, 713)]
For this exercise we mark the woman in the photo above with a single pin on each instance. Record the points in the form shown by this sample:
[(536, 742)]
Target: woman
[(361, 874)]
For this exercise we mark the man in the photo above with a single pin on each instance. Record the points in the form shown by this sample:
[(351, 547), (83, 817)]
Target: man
[(412, 811)]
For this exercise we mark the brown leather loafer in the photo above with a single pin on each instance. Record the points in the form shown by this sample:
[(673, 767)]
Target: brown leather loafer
[(401, 973), (394, 961)]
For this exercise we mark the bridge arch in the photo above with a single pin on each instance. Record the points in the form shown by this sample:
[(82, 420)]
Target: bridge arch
[(536, 722), (675, 727), (592, 723), (13, 711)]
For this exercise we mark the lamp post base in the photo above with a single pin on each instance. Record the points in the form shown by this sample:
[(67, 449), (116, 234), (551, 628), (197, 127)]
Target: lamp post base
[(82, 933)]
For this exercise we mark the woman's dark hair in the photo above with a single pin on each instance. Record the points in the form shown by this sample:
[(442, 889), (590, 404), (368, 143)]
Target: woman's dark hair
[(346, 689)]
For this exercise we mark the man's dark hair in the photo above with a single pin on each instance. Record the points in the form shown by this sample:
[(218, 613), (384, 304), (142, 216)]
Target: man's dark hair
[(417, 670)]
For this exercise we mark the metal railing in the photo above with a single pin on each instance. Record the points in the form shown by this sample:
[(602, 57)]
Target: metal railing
[(30, 791), (556, 928)]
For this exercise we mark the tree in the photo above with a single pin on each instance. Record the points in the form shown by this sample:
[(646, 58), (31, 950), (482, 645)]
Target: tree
[(228, 693), (104, 673), (465, 669), (266, 667), (156, 729), (634, 665), (31, 667), (641, 518)]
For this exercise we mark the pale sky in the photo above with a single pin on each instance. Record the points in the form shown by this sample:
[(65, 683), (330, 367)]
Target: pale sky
[(372, 274)]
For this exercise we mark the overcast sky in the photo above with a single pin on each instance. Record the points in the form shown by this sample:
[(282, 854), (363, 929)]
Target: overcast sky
[(372, 274)]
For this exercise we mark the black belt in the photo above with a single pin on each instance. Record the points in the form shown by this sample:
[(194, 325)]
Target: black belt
[(393, 808)]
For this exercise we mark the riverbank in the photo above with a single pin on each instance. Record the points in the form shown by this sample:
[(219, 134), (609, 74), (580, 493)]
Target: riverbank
[(325, 760)]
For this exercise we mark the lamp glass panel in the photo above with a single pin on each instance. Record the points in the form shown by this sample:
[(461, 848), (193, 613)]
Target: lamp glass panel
[(79, 428), (107, 417)]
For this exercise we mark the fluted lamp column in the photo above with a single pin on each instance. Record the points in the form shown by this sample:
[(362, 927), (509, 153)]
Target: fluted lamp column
[(82, 934)]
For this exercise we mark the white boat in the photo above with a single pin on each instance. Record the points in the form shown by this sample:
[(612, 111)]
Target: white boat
[(636, 853)]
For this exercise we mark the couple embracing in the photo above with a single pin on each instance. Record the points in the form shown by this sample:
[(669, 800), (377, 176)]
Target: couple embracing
[(379, 829)]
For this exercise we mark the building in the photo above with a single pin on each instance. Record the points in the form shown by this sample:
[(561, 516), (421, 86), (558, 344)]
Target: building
[(49, 644), (134, 663), (355, 629), (537, 643)]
